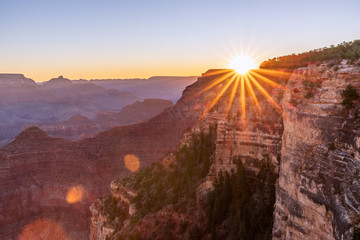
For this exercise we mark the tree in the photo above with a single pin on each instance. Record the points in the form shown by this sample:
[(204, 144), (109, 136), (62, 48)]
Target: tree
[(349, 95)]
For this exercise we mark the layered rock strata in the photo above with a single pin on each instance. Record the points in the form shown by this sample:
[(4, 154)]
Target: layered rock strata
[(318, 192)]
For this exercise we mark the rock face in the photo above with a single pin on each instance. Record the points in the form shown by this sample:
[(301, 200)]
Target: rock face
[(317, 196), (102, 226)]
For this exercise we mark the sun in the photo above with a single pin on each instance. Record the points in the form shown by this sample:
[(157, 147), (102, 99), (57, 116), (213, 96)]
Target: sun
[(242, 64)]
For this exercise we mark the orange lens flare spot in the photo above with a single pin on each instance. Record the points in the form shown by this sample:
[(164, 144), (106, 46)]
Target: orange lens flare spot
[(75, 194), (132, 162), (43, 229), (242, 64)]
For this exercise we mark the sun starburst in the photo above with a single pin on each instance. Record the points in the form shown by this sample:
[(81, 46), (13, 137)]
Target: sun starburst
[(242, 64), (246, 82)]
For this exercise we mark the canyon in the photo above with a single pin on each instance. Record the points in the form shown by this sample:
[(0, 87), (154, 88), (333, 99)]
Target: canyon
[(312, 141), (24, 103), (44, 169)]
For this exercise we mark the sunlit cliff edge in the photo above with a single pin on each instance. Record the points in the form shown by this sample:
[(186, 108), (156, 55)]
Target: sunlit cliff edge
[(313, 144)]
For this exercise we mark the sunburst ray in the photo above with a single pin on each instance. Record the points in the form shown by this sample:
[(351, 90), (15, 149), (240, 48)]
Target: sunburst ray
[(216, 72), (242, 101), (273, 73), (265, 79), (252, 93), (263, 91), (232, 95), (219, 95), (218, 81)]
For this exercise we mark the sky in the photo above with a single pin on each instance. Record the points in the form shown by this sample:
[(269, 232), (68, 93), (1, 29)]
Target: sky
[(93, 39)]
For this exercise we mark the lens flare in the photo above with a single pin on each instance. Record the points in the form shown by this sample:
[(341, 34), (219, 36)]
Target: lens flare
[(132, 162), (242, 64), (42, 229), (75, 194)]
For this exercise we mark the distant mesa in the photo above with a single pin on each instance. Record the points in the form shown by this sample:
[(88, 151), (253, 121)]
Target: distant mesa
[(57, 82), (78, 118), (31, 133), (15, 80)]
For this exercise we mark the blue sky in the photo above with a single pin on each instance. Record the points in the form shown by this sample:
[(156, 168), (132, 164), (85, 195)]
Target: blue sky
[(124, 39)]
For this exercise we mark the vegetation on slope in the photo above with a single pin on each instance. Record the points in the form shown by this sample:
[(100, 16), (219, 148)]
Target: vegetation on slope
[(345, 50), (349, 95), (158, 187), (239, 207)]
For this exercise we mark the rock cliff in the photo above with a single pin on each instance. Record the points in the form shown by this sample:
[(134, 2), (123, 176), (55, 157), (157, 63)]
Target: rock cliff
[(318, 188)]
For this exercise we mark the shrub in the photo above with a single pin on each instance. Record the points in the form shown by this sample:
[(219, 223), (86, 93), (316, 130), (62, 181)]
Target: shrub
[(158, 187), (331, 146), (309, 94), (349, 95), (242, 204), (308, 84), (356, 234), (345, 50)]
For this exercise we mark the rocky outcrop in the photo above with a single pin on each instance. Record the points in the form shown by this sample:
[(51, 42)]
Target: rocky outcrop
[(103, 224), (317, 196)]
